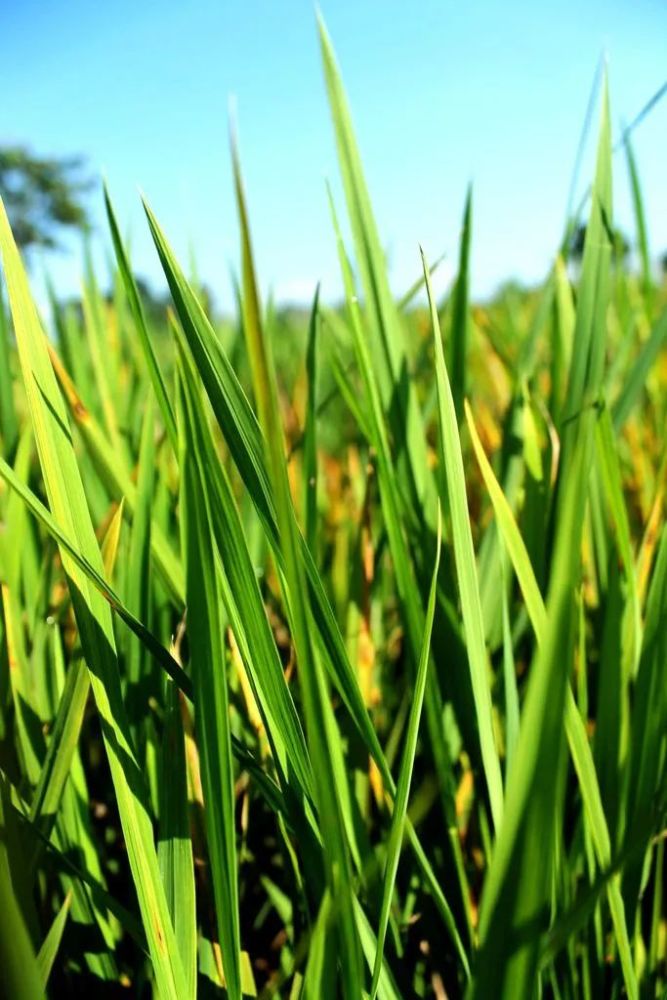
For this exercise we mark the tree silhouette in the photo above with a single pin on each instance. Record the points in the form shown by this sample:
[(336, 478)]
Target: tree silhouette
[(42, 195)]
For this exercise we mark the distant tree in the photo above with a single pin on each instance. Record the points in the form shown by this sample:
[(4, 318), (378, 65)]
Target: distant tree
[(42, 195), (663, 263)]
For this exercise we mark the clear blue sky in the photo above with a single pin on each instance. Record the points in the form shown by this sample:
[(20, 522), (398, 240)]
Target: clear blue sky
[(441, 93)]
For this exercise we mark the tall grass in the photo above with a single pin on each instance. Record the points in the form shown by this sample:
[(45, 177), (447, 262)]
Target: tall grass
[(342, 675)]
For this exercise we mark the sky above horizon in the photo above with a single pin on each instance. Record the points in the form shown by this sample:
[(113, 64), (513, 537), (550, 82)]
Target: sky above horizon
[(442, 94)]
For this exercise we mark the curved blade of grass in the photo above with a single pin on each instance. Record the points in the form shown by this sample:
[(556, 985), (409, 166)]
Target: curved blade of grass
[(239, 427), (310, 432), (318, 717), (20, 972), (406, 585), (515, 897), (460, 319), (45, 517), (634, 382), (397, 828), (574, 725), (640, 222), (136, 307), (67, 498), (46, 955), (114, 474), (244, 438), (8, 420), (208, 667), (466, 567), (244, 605), (174, 849), (138, 578), (649, 723), (387, 341)]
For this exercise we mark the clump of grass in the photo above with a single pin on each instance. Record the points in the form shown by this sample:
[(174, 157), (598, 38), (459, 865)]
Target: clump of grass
[(226, 599)]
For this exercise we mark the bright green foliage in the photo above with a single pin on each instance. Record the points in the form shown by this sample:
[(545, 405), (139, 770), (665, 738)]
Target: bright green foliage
[(332, 645)]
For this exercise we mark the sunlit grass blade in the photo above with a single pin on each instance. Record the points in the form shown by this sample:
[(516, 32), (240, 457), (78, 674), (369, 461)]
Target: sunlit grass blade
[(174, 849), (67, 498), (387, 340), (574, 725), (397, 828), (319, 720), (310, 432), (244, 439), (138, 578), (466, 568), (640, 223), (243, 602), (48, 951), (515, 894), (20, 972), (64, 540), (635, 382), (115, 476), (9, 426), (460, 323), (205, 625), (136, 307)]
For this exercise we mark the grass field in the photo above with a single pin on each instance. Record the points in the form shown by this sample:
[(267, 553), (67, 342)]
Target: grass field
[(333, 652)]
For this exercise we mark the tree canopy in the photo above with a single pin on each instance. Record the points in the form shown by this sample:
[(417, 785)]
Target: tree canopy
[(42, 195)]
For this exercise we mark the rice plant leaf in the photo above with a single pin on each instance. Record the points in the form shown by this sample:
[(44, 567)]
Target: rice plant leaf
[(318, 716), (46, 955), (466, 568), (62, 746), (244, 605), (514, 902), (244, 439), (8, 420), (635, 381), (649, 723), (66, 495), (174, 849), (20, 972), (111, 540), (310, 431), (208, 668), (574, 725), (138, 579), (136, 307), (397, 828), (640, 222), (113, 472), (460, 318), (387, 341), (65, 541)]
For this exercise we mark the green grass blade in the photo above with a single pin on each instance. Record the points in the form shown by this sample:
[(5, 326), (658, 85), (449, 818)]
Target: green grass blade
[(245, 608), (295, 592), (397, 828), (208, 668), (65, 541), (46, 955), (310, 432), (635, 381), (8, 420), (141, 328), (466, 568), (460, 318), (640, 223), (387, 341), (66, 495), (514, 908), (174, 849)]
